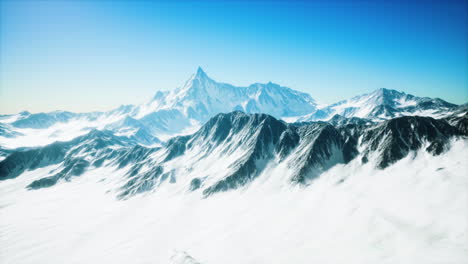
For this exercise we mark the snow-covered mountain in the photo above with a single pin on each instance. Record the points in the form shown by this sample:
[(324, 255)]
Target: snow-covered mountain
[(231, 150), (201, 98), (307, 189), (179, 111), (383, 104)]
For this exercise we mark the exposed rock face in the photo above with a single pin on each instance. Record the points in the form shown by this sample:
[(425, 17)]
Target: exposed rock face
[(392, 140), (255, 140)]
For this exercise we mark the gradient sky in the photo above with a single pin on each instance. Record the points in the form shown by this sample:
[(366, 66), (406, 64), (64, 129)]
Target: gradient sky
[(96, 55)]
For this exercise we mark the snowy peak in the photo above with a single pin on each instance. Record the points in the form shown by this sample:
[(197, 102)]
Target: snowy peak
[(252, 132), (383, 104), (201, 97), (196, 84), (394, 98), (198, 87), (383, 97), (223, 125), (200, 73), (199, 76)]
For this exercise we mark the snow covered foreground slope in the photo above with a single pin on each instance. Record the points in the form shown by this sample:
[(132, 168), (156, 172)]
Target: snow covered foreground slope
[(414, 211)]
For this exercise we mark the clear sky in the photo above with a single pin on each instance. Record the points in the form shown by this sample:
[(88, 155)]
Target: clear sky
[(89, 55)]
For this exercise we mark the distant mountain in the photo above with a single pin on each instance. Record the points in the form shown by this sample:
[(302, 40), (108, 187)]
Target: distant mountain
[(231, 150), (200, 98), (179, 111), (383, 104)]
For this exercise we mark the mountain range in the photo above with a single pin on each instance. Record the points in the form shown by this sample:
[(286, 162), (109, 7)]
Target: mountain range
[(183, 110), (243, 146)]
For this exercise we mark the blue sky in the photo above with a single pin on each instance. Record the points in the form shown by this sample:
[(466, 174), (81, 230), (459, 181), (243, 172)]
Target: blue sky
[(96, 55)]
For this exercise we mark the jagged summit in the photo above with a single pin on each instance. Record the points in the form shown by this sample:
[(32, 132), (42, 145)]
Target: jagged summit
[(200, 73), (202, 97), (385, 92)]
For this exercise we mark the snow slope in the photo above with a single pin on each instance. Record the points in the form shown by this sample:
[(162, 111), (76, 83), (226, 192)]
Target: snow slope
[(411, 212)]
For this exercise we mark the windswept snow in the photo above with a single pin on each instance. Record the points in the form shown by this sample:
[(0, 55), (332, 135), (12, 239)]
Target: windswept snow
[(182, 258), (412, 212)]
